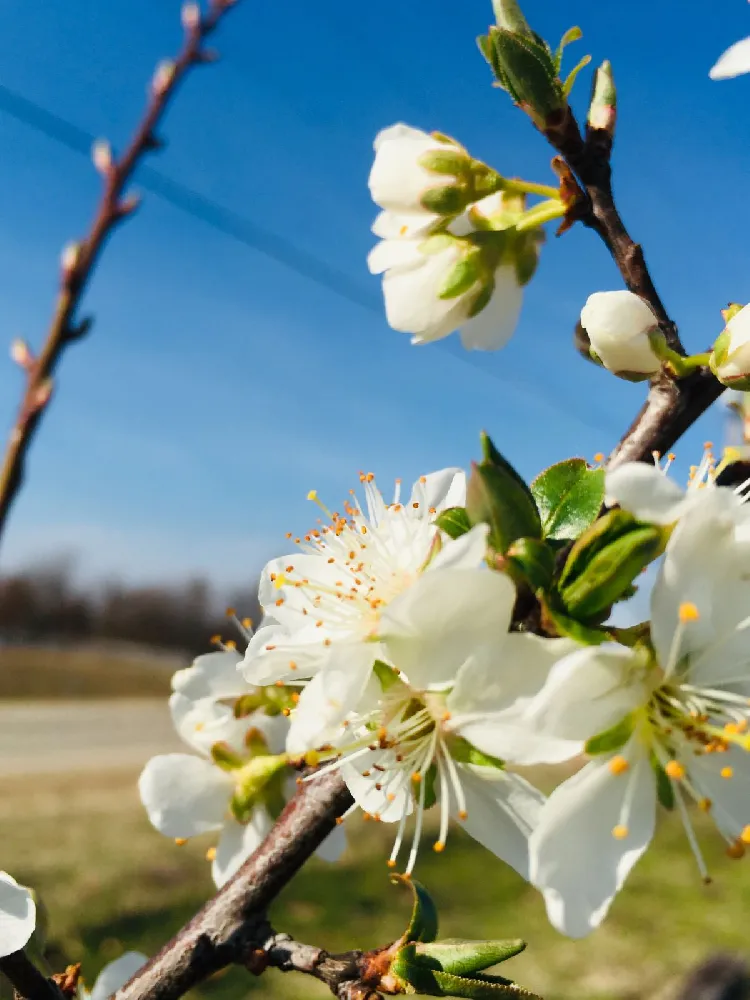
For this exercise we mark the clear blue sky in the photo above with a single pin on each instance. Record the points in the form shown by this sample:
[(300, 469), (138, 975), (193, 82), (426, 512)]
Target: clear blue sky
[(218, 386)]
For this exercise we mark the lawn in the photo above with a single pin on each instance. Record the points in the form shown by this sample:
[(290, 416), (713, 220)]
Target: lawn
[(112, 883)]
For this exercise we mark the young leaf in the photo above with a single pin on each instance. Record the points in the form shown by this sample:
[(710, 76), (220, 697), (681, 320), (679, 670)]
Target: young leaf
[(423, 925), (569, 496), (464, 958), (454, 521)]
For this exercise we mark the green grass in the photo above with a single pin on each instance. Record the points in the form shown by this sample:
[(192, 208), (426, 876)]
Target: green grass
[(35, 672), (111, 883)]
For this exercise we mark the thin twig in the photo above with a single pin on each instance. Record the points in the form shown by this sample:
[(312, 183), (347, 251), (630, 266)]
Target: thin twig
[(80, 260), (672, 406), (232, 925), (27, 980)]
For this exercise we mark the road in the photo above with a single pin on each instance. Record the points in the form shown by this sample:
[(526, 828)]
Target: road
[(56, 737)]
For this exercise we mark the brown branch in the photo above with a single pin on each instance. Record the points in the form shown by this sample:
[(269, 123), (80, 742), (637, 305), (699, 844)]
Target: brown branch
[(80, 260), (231, 927), (672, 406), (27, 980), (353, 975)]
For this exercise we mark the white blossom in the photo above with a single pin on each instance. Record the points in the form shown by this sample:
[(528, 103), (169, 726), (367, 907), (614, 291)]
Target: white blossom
[(113, 976), (671, 724), (17, 915), (734, 62), (321, 605), (730, 359), (618, 324)]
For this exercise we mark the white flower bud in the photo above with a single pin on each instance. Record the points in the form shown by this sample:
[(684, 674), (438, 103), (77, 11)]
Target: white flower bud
[(734, 62), (101, 154), (730, 358), (416, 172), (436, 285), (618, 326)]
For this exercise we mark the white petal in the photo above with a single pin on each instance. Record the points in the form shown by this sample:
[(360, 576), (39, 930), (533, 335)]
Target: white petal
[(493, 327), (730, 797), (587, 693), (393, 253), (17, 915), (469, 551), (116, 974), (399, 131), (333, 846), (645, 492), (213, 675), (276, 654), (502, 810), (433, 628), (575, 860), (388, 802), (184, 795), (734, 62), (331, 696), (493, 692), (440, 490), (403, 225), (618, 324), (202, 723), (237, 842), (412, 304)]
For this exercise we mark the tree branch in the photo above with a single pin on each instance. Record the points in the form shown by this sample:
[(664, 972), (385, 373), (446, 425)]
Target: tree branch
[(27, 980), (79, 261), (672, 406), (232, 926)]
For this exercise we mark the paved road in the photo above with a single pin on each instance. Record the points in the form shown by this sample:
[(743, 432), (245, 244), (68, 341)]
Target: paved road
[(64, 736)]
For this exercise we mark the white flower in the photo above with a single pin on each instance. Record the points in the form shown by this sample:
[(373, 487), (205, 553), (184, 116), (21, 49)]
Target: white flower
[(113, 976), (730, 358), (734, 62), (437, 285), (17, 915), (322, 604), (649, 495), (237, 785), (402, 181), (618, 324), (402, 749), (671, 725)]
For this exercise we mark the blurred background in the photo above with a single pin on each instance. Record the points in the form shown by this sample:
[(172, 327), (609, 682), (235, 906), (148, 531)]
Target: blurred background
[(240, 358)]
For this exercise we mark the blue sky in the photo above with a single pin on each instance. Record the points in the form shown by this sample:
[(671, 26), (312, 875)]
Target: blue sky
[(218, 386)]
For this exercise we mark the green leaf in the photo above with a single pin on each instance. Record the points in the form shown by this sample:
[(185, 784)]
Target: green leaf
[(385, 674), (465, 753), (454, 521), (664, 789), (571, 35), (531, 73), (569, 496), (534, 560), (571, 77), (479, 987), (462, 958), (496, 495), (492, 456), (611, 739), (423, 925)]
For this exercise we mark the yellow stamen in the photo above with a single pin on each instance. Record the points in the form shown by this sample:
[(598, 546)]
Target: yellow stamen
[(619, 832), (391, 863), (211, 854), (736, 850), (312, 758), (230, 612), (312, 495), (463, 814), (180, 841), (688, 612), (726, 772), (618, 765), (416, 777), (675, 770), (745, 835), (279, 581), (705, 805), (599, 457), (438, 847)]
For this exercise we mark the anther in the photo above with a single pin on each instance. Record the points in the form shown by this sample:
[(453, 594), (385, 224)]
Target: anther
[(463, 814), (180, 841), (736, 850), (688, 612), (599, 457), (675, 770), (312, 495), (416, 777), (438, 847), (745, 835), (618, 765), (726, 772), (230, 612), (211, 854), (705, 805), (619, 832)]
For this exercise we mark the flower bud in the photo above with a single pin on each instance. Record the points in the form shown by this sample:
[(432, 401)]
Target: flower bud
[(525, 67), (101, 154), (618, 325), (603, 107), (191, 15), (509, 15), (730, 358), (20, 352), (163, 77)]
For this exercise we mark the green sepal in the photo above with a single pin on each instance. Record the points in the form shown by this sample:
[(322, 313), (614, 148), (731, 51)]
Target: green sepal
[(423, 924), (386, 675), (444, 199), (664, 788), (595, 539), (246, 704), (569, 497), (462, 277), (613, 738), (482, 299), (465, 753), (454, 521), (534, 560), (455, 162), (463, 958), (566, 626), (226, 757), (720, 351), (436, 244)]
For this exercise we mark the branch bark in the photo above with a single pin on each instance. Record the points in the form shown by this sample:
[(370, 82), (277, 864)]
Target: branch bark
[(77, 270), (28, 982)]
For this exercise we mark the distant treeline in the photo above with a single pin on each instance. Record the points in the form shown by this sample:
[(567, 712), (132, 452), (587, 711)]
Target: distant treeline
[(45, 604)]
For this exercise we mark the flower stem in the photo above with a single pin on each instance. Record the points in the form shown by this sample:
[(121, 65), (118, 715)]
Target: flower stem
[(517, 186), (545, 211)]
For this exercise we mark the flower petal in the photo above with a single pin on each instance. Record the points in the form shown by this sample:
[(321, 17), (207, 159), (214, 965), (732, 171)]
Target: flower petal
[(237, 842), (116, 974), (439, 490), (729, 797), (331, 696), (433, 628), (493, 327), (587, 692), (645, 492), (276, 654), (184, 795), (576, 861), (394, 253), (493, 692), (387, 802), (17, 915), (333, 846), (213, 675), (733, 62), (469, 551), (501, 811), (202, 723)]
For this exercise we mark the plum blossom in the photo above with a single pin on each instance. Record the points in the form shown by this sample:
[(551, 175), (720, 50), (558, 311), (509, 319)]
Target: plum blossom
[(17, 915), (618, 325), (113, 976)]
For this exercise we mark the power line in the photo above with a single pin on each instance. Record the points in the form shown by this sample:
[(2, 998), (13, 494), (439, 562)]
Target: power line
[(236, 226)]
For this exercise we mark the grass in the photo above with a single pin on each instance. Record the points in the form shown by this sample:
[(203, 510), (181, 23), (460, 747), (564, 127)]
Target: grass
[(82, 672), (111, 883)]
